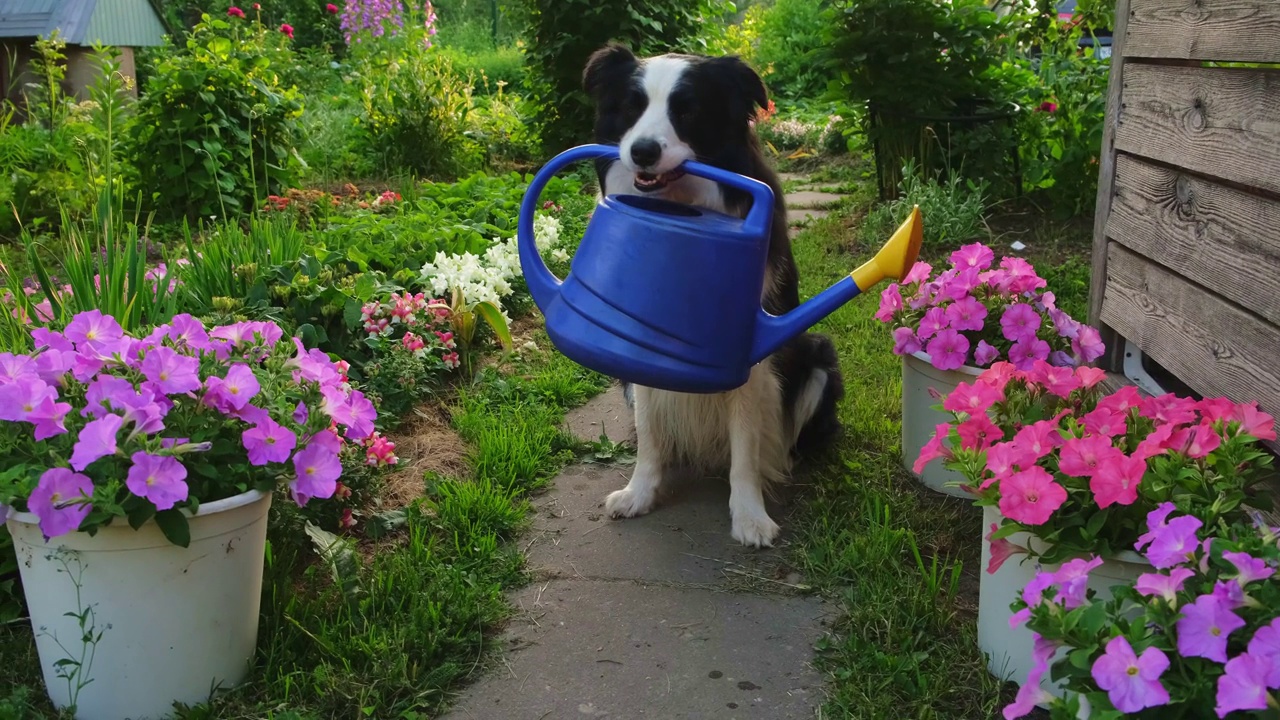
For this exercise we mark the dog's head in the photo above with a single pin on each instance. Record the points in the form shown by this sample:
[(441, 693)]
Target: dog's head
[(663, 110)]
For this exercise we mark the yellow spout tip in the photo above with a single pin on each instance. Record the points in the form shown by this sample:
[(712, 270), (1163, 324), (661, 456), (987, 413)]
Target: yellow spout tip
[(896, 258)]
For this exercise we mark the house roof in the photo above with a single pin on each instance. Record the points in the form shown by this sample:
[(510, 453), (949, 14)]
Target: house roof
[(123, 23)]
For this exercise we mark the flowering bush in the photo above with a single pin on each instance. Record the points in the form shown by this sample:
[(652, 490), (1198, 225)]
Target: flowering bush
[(412, 346), (1200, 636), (114, 426), (487, 278), (974, 314), (1080, 471)]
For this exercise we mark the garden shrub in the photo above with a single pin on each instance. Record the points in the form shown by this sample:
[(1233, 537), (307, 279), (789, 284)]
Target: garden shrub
[(953, 210), (562, 34), (790, 33), (491, 70), (416, 108), (503, 125), (217, 126)]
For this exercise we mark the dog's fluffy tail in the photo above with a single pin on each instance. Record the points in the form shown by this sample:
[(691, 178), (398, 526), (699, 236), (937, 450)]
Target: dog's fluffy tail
[(814, 410)]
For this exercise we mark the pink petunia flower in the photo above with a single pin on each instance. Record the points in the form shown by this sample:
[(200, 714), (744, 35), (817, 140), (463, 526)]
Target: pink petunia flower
[(920, 271), (890, 303), (60, 501), (1060, 381), (978, 433), (1040, 438), (1024, 354), (1168, 408), (1088, 344), (1204, 628), (1166, 586), (1080, 457), (1090, 376), (268, 442), (1132, 682), (933, 449), (1031, 496), (935, 320), (948, 349), (1195, 442), (1265, 644), (905, 342), (173, 373), (977, 256), (1122, 400), (985, 353), (1008, 457), (1254, 422), (162, 479), (972, 399), (1116, 480), (1215, 409), (967, 314), (1001, 550), (1030, 694), (1019, 323), (1243, 685)]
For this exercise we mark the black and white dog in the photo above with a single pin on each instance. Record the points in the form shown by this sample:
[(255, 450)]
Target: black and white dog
[(661, 111)]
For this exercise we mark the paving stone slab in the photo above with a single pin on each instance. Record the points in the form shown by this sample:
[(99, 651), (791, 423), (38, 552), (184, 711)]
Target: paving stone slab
[(620, 650), (605, 413), (811, 199), (801, 216)]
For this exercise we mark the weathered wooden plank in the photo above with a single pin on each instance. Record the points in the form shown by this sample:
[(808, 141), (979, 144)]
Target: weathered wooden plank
[(1106, 181), (1210, 344), (1225, 30), (1220, 122), (1219, 237)]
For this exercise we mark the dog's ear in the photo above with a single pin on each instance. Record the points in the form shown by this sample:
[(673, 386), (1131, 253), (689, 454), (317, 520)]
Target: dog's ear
[(746, 81), (611, 61)]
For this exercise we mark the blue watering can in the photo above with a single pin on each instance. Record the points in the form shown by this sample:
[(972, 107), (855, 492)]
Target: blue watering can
[(667, 295)]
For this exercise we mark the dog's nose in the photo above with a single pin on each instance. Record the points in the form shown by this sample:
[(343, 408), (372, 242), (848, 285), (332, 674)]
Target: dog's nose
[(646, 152)]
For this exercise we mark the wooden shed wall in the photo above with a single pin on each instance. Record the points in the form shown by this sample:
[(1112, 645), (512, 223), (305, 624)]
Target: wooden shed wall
[(1187, 235)]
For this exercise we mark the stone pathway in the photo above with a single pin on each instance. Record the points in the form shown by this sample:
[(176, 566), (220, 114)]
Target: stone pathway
[(806, 202), (661, 616)]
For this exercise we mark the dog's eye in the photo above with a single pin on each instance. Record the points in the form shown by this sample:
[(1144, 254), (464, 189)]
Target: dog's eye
[(636, 99)]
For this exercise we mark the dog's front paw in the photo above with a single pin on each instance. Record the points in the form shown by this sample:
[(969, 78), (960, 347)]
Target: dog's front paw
[(754, 529), (628, 502)]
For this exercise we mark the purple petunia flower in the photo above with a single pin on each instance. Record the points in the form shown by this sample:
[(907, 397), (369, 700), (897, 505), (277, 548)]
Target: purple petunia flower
[(158, 478), (1248, 568), (188, 332), (1023, 355), (91, 328), (97, 439), (1243, 686), (48, 418), (173, 373), (1204, 627), (1132, 682), (948, 350), (967, 314), (905, 341), (1266, 645), (1166, 586), (935, 320), (54, 501), (268, 441), (21, 398), (1072, 580), (985, 353), (318, 470), (1171, 543)]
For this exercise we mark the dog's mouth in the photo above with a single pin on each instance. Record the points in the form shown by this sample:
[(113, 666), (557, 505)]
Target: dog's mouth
[(648, 182)]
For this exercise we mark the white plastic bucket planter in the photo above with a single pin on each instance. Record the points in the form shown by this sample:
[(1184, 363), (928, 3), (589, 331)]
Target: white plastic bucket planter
[(1008, 650), (176, 623), (919, 418)]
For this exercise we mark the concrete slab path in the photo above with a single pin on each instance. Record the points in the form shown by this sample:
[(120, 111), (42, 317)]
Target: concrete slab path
[(662, 616)]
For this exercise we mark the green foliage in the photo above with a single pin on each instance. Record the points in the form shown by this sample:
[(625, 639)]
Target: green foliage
[(217, 125), (791, 33), (503, 124), (952, 211), (11, 602), (490, 70), (416, 108), (229, 261), (562, 35)]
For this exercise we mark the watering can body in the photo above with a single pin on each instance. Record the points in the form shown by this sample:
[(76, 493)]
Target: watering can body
[(666, 295)]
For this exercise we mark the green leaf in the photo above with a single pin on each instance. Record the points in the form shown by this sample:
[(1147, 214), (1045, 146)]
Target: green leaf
[(140, 515), (385, 523), (493, 316), (173, 523), (341, 556)]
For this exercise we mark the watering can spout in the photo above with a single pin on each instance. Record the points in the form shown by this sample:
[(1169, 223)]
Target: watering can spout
[(893, 260)]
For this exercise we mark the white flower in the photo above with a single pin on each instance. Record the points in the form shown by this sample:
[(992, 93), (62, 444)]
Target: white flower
[(559, 255), (546, 231)]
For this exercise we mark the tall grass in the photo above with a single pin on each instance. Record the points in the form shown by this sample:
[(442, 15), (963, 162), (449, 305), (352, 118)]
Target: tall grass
[(228, 262)]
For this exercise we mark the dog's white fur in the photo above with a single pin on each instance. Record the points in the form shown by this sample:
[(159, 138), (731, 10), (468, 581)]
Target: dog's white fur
[(745, 428)]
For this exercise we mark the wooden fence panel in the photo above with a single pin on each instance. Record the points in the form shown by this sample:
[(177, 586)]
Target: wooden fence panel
[(1220, 122), (1210, 344), (1222, 239), (1224, 30)]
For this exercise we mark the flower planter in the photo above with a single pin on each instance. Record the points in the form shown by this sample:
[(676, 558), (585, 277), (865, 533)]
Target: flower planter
[(176, 623), (1008, 650), (919, 418)]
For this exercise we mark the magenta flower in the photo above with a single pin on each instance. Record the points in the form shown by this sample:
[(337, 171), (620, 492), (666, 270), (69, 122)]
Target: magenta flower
[(13, 367), (1060, 381), (1023, 355), (1230, 594), (363, 416), (972, 399), (920, 271), (978, 433), (173, 373), (92, 327), (890, 303), (967, 314), (61, 501), (1072, 580), (1001, 550), (960, 285), (1204, 628), (977, 256), (1019, 323), (1030, 694), (1132, 682), (948, 349), (1265, 645), (1248, 567), (1090, 376), (905, 342), (985, 353), (48, 418), (1168, 408), (1243, 686), (1008, 457), (935, 320), (1166, 586), (1215, 409), (1116, 479), (1030, 497), (1088, 344), (1039, 439), (318, 470), (97, 439), (234, 11), (159, 478), (187, 331), (46, 338), (1254, 422), (268, 441), (933, 449), (1080, 457)]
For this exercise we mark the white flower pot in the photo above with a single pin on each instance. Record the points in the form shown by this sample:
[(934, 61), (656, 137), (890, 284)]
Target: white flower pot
[(919, 418), (176, 623), (1008, 650)]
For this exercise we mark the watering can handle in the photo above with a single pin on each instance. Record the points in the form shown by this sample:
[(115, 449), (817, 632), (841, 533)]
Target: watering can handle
[(543, 285), (761, 212)]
